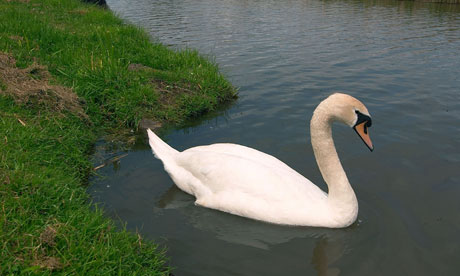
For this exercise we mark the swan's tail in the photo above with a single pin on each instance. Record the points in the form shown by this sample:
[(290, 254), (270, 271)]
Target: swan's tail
[(160, 149)]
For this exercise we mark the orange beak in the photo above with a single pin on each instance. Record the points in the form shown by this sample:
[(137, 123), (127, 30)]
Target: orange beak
[(363, 132)]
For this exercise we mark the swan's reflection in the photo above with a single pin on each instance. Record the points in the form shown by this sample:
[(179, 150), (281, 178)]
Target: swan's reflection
[(326, 251), (226, 227), (325, 254)]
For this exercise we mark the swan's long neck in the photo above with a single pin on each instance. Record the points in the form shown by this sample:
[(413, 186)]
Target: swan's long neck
[(341, 194)]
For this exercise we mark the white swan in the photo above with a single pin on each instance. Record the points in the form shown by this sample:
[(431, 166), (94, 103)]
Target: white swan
[(249, 183)]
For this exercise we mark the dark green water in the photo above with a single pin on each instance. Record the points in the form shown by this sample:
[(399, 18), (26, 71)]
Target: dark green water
[(401, 59)]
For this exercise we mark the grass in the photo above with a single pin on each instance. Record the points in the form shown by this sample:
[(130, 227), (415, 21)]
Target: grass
[(51, 50), (91, 50)]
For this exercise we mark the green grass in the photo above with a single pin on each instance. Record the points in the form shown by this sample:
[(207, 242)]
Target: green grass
[(89, 49), (46, 223), (41, 170)]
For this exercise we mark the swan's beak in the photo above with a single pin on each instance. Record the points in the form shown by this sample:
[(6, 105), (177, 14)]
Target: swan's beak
[(363, 132)]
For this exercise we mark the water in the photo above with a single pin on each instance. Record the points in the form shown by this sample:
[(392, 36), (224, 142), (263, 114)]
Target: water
[(400, 58)]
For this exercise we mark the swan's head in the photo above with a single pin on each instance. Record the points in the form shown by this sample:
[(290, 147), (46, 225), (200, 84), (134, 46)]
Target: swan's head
[(352, 112)]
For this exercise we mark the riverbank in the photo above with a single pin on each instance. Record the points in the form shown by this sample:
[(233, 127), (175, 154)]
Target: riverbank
[(68, 72)]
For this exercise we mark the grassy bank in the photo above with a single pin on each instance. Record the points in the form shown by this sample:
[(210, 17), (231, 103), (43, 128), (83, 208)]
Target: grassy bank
[(69, 71)]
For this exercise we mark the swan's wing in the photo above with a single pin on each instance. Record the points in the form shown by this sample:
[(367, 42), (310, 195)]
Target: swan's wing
[(229, 167), (258, 188), (245, 153)]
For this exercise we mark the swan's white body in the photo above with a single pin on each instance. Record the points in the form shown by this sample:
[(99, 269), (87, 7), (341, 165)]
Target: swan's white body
[(249, 183)]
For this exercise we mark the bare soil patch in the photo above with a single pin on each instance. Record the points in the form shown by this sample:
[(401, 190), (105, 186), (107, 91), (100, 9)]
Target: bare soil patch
[(50, 263), (30, 86), (169, 91), (48, 236)]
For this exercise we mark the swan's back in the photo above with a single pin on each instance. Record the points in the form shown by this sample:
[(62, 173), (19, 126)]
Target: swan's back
[(235, 167)]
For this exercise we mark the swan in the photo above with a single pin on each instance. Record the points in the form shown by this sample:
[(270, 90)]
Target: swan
[(249, 183)]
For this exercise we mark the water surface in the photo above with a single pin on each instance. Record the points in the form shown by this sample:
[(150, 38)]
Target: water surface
[(400, 58)]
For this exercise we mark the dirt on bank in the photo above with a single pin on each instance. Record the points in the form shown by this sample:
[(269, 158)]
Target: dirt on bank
[(31, 86)]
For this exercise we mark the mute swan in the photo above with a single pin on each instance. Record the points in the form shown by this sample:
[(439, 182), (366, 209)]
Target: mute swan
[(249, 183)]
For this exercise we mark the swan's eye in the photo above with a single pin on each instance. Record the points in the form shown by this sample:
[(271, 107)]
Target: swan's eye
[(363, 118)]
